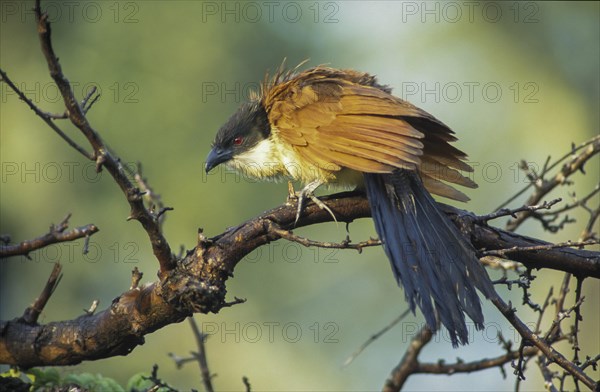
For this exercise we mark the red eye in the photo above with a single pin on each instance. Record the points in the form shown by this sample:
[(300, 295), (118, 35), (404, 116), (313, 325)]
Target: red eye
[(237, 141)]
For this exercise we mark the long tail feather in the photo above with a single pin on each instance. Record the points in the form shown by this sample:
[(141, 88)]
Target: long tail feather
[(430, 258)]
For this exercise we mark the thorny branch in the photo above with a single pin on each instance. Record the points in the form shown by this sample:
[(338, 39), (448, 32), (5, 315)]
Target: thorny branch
[(504, 252), (346, 244), (513, 212), (532, 345), (409, 362), (56, 234), (542, 186), (200, 356), (102, 155)]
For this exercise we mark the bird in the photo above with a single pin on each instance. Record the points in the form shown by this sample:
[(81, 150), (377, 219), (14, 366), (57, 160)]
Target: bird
[(341, 128)]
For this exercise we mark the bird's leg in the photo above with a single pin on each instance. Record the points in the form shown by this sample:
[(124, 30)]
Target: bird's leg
[(308, 191)]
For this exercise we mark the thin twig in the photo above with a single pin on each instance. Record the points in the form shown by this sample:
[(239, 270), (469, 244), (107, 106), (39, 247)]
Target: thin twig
[(55, 235), (547, 168), (374, 337), (47, 117), (513, 212), (593, 362), (578, 203), (560, 316), (102, 155), (201, 356), (567, 244), (84, 103), (468, 367), (346, 244), (547, 374), (31, 314), (575, 332), (543, 187)]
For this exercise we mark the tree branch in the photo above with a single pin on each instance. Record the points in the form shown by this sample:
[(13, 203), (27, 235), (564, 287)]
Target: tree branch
[(468, 367), (200, 356), (543, 187), (56, 234), (102, 156), (198, 284), (409, 362), (547, 167), (31, 314), (533, 339)]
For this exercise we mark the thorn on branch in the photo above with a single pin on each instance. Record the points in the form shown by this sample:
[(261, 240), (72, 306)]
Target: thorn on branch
[(100, 160), (236, 301), (136, 276), (203, 241), (180, 361), (93, 307), (162, 211)]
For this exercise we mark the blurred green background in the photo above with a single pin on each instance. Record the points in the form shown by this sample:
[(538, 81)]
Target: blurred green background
[(514, 80)]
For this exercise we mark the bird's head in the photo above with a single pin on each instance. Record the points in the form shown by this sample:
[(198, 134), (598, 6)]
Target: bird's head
[(244, 130)]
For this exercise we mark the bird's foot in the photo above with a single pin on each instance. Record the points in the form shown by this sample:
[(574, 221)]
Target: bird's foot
[(308, 192)]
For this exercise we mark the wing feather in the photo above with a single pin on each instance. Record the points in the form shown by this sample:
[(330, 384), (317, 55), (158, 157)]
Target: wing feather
[(335, 119)]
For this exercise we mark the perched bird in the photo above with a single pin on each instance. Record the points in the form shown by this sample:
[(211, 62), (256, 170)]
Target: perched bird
[(341, 127)]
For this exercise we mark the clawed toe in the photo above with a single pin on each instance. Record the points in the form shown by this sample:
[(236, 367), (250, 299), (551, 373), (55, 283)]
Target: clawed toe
[(308, 192)]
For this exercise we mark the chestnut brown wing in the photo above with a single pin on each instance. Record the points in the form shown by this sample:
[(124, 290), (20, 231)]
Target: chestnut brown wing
[(333, 122)]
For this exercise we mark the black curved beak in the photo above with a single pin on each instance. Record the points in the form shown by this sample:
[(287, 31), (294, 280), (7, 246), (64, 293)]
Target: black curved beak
[(216, 156)]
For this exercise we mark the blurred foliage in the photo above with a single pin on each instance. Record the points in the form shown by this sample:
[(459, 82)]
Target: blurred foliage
[(171, 72), (49, 379)]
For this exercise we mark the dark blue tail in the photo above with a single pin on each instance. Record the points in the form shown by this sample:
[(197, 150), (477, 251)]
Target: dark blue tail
[(431, 259)]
